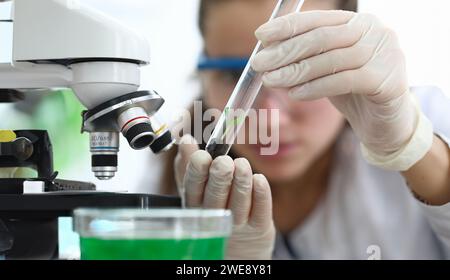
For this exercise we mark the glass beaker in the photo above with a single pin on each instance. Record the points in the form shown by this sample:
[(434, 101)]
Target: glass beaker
[(153, 234)]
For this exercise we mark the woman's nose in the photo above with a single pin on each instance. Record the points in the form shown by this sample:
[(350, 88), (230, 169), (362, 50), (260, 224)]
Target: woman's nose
[(271, 99), (274, 99)]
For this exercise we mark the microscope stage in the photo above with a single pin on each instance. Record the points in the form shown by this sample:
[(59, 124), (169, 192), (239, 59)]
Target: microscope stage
[(61, 204)]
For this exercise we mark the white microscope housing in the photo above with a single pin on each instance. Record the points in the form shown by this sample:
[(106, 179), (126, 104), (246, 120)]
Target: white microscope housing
[(66, 44)]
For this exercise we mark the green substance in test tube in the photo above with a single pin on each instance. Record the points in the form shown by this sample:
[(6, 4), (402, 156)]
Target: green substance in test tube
[(232, 123), (153, 249)]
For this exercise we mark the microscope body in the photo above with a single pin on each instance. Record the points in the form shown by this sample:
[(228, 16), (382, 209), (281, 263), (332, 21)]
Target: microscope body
[(65, 44)]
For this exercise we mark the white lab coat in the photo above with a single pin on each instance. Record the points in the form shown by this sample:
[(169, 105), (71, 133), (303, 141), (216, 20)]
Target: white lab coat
[(369, 213)]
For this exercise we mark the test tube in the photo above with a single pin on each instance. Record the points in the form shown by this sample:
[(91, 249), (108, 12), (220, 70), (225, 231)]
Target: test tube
[(244, 94)]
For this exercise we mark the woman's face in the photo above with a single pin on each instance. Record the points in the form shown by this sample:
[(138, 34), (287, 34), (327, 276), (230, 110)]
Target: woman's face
[(306, 129)]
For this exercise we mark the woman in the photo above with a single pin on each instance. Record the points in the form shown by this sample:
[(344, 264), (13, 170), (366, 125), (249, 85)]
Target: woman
[(360, 173)]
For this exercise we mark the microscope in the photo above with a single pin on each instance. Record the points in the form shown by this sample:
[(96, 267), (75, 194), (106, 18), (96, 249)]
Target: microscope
[(65, 44)]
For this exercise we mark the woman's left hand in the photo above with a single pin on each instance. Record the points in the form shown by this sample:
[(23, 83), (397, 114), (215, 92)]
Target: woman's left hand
[(352, 59)]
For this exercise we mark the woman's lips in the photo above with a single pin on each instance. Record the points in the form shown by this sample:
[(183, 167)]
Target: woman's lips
[(284, 149)]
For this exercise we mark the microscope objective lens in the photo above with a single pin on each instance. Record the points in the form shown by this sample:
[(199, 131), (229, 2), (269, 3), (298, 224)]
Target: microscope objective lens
[(136, 128), (104, 149)]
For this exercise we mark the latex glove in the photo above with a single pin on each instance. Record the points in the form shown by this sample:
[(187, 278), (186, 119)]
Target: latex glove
[(226, 184), (355, 61)]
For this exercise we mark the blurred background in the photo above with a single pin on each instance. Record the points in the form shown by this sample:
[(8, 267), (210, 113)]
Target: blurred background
[(171, 28)]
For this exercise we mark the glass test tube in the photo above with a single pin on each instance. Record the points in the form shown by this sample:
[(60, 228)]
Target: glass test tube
[(244, 94)]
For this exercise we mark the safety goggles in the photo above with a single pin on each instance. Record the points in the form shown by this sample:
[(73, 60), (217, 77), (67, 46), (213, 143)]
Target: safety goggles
[(222, 63), (226, 69)]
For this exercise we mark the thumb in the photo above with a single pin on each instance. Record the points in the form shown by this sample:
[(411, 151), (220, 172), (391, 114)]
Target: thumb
[(187, 146)]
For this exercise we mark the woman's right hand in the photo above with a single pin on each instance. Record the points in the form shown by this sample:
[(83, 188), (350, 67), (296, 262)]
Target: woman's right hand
[(224, 183)]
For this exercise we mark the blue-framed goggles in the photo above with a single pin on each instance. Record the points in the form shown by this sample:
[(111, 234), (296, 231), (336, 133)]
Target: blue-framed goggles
[(222, 63)]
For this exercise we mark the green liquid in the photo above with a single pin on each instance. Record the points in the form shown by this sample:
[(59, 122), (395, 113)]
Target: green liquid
[(153, 249)]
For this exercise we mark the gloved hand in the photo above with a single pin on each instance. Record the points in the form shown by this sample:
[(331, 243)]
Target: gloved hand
[(224, 183), (355, 61)]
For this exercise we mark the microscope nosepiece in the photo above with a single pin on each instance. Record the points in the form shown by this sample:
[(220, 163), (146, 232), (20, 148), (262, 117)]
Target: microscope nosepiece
[(131, 115)]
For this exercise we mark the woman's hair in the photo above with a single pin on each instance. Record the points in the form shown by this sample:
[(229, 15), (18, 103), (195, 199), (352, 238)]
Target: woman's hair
[(168, 177)]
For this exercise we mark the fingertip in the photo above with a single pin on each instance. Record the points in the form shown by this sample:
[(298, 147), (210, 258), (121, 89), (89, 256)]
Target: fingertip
[(262, 189), (200, 161), (224, 160), (188, 139), (257, 62), (187, 146), (261, 184), (348, 14), (264, 32), (223, 166), (242, 173), (262, 201), (201, 155), (242, 163), (272, 79), (266, 80)]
